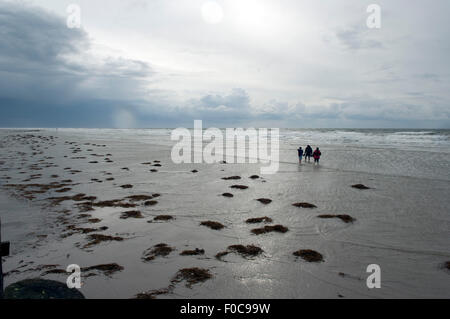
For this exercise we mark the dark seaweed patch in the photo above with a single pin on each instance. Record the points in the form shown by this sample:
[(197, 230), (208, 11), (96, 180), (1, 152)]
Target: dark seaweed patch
[(231, 178), (269, 229), (95, 239), (197, 251), (192, 276), (131, 214), (239, 186), (156, 251), (309, 255), (264, 201), (163, 217), (344, 218), (212, 225), (227, 195), (304, 205), (259, 220), (360, 186)]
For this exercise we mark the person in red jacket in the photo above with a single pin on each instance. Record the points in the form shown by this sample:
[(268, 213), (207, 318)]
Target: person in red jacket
[(316, 155)]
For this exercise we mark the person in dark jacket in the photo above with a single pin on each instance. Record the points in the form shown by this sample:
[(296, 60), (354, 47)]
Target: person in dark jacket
[(316, 155), (308, 153), (300, 154)]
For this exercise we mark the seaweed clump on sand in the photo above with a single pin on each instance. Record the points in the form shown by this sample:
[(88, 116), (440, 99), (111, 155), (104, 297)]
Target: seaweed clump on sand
[(269, 229), (126, 186), (156, 251), (152, 294), (259, 220), (77, 198), (131, 214), (344, 218), (264, 201), (231, 178), (192, 276), (239, 186), (249, 250), (107, 269), (244, 251), (139, 197), (89, 206), (163, 217), (151, 202), (229, 195), (254, 177), (304, 205), (212, 225), (194, 252), (309, 255), (360, 186), (95, 239)]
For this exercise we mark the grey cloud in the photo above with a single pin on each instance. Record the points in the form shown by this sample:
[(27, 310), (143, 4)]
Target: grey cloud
[(47, 66), (356, 38)]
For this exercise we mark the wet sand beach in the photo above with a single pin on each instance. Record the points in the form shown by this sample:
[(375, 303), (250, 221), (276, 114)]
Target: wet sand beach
[(113, 202)]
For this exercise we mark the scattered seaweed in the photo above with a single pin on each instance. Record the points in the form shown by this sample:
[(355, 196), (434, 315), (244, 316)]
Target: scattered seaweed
[(107, 269), (227, 195), (95, 239), (131, 214), (151, 203), (264, 201), (192, 276), (153, 293), (309, 255), (269, 229), (197, 251), (259, 220), (156, 251), (139, 197), (244, 251), (163, 217), (231, 178), (212, 225), (239, 186), (360, 186), (249, 250), (344, 218), (304, 205)]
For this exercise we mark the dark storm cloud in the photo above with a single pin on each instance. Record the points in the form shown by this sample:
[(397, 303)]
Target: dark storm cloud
[(49, 78)]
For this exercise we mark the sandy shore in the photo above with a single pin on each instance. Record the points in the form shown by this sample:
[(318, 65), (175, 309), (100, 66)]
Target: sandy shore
[(82, 187)]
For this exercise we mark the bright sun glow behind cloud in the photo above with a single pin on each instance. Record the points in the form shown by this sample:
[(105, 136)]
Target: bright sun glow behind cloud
[(212, 12), (256, 17)]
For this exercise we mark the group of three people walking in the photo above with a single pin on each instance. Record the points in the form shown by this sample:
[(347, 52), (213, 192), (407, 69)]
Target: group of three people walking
[(308, 153)]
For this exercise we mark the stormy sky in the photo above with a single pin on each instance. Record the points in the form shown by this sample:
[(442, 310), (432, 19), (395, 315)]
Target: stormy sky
[(265, 63)]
